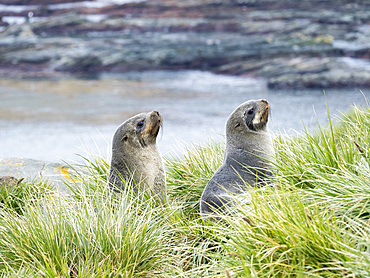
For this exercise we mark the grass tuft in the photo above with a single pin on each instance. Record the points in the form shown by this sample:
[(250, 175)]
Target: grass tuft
[(188, 175), (120, 236), (285, 235), (15, 196)]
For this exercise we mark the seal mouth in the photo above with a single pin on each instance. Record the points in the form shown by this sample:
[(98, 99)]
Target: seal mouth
[(265, 114), (263, 118)]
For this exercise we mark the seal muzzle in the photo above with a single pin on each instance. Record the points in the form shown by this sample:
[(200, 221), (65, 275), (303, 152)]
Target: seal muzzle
[(256, 116), (151, 129), (154, 123)]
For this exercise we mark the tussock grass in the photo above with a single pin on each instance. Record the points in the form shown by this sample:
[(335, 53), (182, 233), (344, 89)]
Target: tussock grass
[(332, 165), (187, 176), (69, 238), (91, 177), (313, 222), (16, 196), (328, 151), (284, 235)]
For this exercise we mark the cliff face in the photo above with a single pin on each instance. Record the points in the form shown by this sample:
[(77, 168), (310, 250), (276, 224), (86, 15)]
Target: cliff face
[(294, 44)]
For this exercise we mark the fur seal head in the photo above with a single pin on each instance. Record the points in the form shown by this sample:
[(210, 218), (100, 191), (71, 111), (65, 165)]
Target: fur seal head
[(135, 156), (139, 131), (247, 134), (247, 159), (248, 119)]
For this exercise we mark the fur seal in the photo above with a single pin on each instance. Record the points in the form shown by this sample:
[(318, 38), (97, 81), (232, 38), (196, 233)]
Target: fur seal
[(136, 158), (247, 159)]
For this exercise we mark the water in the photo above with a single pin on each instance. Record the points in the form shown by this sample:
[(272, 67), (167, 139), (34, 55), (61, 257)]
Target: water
[(56, 120)]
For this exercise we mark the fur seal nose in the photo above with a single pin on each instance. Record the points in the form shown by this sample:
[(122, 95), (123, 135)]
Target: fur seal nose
[(266, 103), (155, 116)]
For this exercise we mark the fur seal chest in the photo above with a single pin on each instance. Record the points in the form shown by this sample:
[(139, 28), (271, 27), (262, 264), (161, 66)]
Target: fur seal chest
[(247, 157), (136, 160)]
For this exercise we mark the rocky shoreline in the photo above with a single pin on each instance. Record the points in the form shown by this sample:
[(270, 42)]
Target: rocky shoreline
[(293, 44)]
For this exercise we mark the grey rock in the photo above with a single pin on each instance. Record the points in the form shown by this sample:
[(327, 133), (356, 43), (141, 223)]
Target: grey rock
[(333, 78), (17, 168), (87, 64)]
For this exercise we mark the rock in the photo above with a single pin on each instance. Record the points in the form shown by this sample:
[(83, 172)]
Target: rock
[(293, 44), (333, 78), (13, 168), (59, 25), (88, 64), (23, 31)]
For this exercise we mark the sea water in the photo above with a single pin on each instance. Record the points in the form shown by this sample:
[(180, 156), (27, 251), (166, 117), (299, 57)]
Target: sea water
[(60, 119)]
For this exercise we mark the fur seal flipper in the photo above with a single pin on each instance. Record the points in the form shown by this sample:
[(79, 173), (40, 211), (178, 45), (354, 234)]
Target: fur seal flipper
[(136, 161), (249, 151)]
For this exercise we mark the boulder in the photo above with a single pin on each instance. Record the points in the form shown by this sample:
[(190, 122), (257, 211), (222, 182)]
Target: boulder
[(333, 78), (14, 168)]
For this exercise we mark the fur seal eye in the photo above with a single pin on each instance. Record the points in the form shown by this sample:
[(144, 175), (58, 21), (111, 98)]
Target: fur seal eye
[(140, 124), (250, 111)]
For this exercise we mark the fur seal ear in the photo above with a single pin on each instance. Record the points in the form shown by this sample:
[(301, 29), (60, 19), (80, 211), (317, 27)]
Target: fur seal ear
[(124, 138), (236, 125)]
